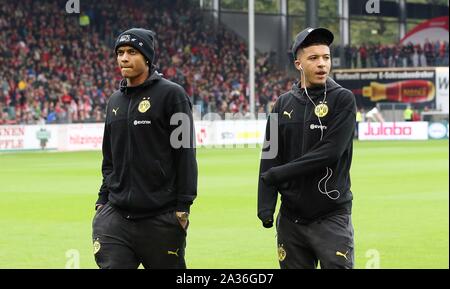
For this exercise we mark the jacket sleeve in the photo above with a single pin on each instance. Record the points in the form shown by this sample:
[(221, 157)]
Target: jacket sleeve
[(185, 155), (107, 166), (339, 133), (267, 195)]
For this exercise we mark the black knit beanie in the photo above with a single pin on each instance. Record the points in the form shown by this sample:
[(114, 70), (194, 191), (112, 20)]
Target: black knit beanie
[(139, 38)]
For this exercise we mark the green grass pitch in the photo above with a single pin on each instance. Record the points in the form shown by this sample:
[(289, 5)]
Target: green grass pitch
[(400, 208)]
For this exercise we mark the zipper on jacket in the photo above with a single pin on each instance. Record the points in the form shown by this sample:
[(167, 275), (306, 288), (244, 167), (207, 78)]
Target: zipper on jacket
[(130, 174), (302, 135)]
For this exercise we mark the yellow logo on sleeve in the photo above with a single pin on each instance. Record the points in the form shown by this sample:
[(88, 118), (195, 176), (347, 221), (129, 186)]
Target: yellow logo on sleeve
[(97, 246), (281, 253)]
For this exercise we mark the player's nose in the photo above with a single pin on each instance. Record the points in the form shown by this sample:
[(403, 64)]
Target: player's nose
[(124, 57)]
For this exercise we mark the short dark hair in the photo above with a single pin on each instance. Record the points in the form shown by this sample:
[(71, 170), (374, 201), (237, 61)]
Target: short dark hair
[(311, 43)]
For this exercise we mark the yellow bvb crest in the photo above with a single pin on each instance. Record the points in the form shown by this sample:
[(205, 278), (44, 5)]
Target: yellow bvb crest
[(321, 110), (144, 105)]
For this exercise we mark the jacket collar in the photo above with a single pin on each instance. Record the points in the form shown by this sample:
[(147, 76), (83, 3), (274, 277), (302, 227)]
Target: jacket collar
[(313, 92), (154, 76)]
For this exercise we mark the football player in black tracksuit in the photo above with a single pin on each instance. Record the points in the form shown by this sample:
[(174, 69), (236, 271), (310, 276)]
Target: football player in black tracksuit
[(315, 126), (149, 165)]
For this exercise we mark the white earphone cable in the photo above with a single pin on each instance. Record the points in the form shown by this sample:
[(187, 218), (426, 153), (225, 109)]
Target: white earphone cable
[(328, 175)]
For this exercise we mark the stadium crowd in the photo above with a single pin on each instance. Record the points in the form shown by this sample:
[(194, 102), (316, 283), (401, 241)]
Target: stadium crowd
[(58, 67), (401, 55)]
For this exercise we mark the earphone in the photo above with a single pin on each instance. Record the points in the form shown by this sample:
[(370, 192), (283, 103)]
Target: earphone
[(329, 170)]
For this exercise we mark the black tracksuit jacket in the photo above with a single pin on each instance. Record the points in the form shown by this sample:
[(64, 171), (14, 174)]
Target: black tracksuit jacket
[(302, 157), (143, 175)]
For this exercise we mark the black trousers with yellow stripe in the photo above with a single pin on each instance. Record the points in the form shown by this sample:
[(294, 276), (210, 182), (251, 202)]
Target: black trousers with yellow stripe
[(328, 241), (158, 242)]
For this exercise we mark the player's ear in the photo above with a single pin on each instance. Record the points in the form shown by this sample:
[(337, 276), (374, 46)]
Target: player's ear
[(298, 65)]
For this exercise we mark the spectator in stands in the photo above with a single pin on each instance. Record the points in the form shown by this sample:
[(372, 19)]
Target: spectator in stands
[(374, 115), (359, 118), (416, 115), (429, 52), (363, 55), (408, 113), (348, 56)]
